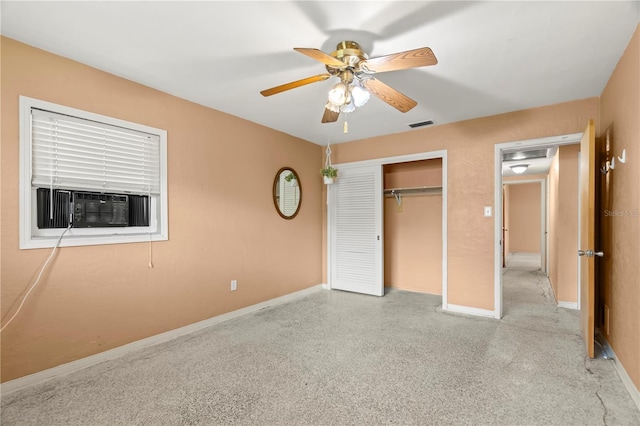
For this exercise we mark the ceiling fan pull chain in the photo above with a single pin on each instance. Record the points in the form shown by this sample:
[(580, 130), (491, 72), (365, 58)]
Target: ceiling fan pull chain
[(346, 126)]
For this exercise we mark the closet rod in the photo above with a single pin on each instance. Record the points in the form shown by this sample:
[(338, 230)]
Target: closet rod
[(414, 190)]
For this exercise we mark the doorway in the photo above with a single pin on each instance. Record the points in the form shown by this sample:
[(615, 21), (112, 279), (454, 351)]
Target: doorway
[(500, 151), (525, 224)]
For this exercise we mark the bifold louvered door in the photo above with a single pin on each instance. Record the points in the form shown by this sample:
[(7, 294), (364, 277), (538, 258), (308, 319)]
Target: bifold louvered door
[(355, 230)]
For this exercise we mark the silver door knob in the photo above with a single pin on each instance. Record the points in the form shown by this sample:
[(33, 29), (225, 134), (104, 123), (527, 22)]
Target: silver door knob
[(590, 253)]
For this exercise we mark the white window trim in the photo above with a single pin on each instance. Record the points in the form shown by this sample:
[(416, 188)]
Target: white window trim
[(158, 229)]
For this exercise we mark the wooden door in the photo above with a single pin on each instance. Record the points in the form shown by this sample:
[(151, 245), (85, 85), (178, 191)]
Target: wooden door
[(587, 232)]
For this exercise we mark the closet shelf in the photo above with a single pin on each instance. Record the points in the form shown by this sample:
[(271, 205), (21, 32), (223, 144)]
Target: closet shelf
[(413, 190)]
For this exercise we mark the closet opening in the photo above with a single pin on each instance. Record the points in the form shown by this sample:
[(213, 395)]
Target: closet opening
[(413, 226)]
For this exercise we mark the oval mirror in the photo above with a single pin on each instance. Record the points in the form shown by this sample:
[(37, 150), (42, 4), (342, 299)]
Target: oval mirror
[(287, 192)]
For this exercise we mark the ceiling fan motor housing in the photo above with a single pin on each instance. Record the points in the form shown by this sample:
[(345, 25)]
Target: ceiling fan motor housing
[(348, 52)]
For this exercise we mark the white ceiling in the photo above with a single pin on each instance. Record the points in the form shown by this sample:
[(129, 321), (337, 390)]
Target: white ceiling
[(494, 57)]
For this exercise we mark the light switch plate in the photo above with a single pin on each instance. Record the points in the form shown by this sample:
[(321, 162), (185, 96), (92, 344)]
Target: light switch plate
[(487, 211)]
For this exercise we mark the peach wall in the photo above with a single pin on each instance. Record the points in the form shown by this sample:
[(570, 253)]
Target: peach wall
[(524, 218), (470, 164), (95, 298), (413, 174), (620, 106), (567, 225), (413, 229), (507, 179)]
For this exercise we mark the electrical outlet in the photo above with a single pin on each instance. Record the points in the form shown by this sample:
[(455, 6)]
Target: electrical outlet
[(487, 211), (234, 285)]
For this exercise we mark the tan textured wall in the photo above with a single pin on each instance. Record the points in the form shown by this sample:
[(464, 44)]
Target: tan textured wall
[(620, 108), (508, 179), (567, 225), (505, 217), (413, 174), (413, 229), (99, 297), (470, 146), (524, 218)]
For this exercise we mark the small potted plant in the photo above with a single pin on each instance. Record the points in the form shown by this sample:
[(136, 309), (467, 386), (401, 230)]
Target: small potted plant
[(291, 178), (329, 174)]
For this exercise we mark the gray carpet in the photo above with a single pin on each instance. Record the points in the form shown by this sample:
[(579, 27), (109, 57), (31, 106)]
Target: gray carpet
[(336, 358), (523, 261)]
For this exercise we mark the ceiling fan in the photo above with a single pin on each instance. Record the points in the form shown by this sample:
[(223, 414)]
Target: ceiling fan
[(355, 70)]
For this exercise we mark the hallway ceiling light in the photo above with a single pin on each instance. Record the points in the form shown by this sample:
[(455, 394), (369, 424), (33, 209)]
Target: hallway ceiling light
[(519, 168)]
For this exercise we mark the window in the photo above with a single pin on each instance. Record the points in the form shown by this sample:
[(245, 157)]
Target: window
[(105, 178)]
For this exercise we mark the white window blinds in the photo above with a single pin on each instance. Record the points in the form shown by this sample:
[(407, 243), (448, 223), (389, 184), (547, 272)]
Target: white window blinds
[(74, 153)]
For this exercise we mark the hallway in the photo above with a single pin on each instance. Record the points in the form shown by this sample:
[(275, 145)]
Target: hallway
[(523, 261)]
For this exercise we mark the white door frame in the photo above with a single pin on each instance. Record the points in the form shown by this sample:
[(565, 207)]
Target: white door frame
[(546, 221), (543, 216), (499, 148), (394, 160)]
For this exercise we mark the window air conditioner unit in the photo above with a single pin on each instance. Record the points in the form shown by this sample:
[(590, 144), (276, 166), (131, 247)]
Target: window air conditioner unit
[(95, 210), (90, 209)]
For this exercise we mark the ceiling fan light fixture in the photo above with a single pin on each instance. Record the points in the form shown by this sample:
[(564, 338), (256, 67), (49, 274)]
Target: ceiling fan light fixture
[(519, 168), (350, 107), (332, 107), (338, 94), (360, 95)]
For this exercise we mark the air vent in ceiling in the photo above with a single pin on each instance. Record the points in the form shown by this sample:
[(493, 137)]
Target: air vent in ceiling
[(525, 155), (422, 123)]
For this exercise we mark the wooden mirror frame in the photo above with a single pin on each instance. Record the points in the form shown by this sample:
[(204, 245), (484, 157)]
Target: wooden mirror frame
[(276, 180)]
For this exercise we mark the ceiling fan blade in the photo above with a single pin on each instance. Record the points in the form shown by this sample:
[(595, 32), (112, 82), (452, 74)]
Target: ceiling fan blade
[(294, 84), (399, 61), (388, 94), (330, 116), (319, 55)]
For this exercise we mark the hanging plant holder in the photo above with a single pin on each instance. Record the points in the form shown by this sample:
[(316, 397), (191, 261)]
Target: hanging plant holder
[(329, 173), (291, 178)]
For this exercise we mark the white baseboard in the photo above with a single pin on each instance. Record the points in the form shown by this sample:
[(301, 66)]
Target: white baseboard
[(626, 380), (71, 367), (469, 310), (568, 305), (325, 286)]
